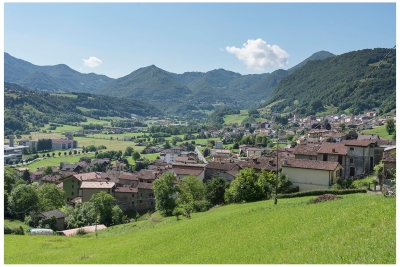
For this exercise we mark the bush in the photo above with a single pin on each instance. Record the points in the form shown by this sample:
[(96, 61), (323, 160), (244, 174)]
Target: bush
[(15, 231), (81, 232), (201, 205), (321, 192)]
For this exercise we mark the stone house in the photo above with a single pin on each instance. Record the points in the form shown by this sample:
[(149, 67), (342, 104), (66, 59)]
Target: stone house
[(182, 170), (360, 157), (334, 152), (87, 189), (307, 151), (389, 162)]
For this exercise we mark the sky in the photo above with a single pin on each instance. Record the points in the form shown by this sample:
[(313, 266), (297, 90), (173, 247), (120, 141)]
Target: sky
[(115, 39)]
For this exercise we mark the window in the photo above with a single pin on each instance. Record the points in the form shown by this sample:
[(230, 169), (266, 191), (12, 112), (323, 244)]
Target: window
[(73, 180), (140, 194), (140, 201), (72, 186), (352, 148), (133, 195), (151, 203), (108, 191), (150, 194), (72, 193), (351, 160)]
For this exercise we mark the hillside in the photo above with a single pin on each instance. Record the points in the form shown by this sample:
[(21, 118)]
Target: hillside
[(58, 78), (340, 81), (345, 231), (23, 107), (149, 84)]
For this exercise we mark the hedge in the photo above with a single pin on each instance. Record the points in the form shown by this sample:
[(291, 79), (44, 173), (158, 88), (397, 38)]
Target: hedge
[(321, 192)]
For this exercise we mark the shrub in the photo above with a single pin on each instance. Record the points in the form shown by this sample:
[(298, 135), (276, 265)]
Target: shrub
[(201, 205), (15, 231), (177, 211), (81, 232)]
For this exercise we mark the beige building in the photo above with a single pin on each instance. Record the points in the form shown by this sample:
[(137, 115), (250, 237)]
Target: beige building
[(90, 188), (311, 174)]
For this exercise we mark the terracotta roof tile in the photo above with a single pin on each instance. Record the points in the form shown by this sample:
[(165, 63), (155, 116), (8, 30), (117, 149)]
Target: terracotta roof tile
[(332, 148), (363, 143), (307, 149), (311, 164)]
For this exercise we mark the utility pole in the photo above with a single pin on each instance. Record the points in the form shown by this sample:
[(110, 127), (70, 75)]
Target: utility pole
[(277, 168)]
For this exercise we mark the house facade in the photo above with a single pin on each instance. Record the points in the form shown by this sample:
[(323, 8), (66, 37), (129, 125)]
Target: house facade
[(311, 174)]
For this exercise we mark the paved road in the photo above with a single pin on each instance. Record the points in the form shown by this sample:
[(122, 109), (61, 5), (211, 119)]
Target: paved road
[(200, 156)]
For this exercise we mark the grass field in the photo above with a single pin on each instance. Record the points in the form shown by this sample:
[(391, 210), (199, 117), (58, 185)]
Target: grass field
[(358, 229), (55, 161), (380, 130), (236, 118)]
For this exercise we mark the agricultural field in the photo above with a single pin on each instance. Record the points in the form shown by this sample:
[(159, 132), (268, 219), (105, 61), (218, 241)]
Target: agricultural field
[(357, 229), (236, 118)]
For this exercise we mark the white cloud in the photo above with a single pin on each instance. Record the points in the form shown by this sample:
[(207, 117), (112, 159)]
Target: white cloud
[(258, 55), (92, 62)]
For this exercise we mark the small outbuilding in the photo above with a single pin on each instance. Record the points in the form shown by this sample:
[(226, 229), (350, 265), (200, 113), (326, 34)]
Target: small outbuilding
[(60, 216)]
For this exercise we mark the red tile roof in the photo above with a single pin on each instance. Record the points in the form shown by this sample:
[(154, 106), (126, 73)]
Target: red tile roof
[(333, 148), (363, 143), (311, 164), (307, 149)]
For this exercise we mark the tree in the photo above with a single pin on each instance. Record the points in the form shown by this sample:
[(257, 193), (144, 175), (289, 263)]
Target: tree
[(244, 188), (164, 188), (136, 155), (191, 189), (26, 176), (128, 151), (390, 127), (103, 204), (59, 153), (50, 197), (23, 200), (167, 145), (117, 215), (47, 171), (215, 190)]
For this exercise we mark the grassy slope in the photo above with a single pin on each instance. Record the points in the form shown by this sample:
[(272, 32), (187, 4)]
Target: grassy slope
[(342, 231), (380, 130)]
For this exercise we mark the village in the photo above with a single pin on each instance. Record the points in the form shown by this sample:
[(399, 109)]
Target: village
[(322, 153)]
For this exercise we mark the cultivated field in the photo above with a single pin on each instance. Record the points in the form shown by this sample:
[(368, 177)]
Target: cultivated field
[(358, 229)]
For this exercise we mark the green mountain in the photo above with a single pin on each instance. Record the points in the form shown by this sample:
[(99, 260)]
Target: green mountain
[(340, 81), (58, 78), (321, 55), (151, 84), (23, 106)]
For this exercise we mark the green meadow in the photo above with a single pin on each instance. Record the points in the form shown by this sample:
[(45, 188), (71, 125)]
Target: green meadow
[(380, 130), (357, 229)]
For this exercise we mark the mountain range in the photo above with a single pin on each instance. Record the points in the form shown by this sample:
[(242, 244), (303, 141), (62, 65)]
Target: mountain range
[(154, 85), (321, 80)]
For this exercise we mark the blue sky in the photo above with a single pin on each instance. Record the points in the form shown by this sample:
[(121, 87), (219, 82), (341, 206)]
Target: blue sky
[(116, 39)]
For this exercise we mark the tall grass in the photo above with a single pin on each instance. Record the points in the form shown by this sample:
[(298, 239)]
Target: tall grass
[(359, 229)]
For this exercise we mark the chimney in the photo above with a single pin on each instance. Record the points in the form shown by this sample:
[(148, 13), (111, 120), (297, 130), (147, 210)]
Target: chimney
[(333, 150)]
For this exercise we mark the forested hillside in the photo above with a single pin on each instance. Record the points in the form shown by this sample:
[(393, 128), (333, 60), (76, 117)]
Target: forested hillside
[(58, 78), (26, 110), (340, 81)]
